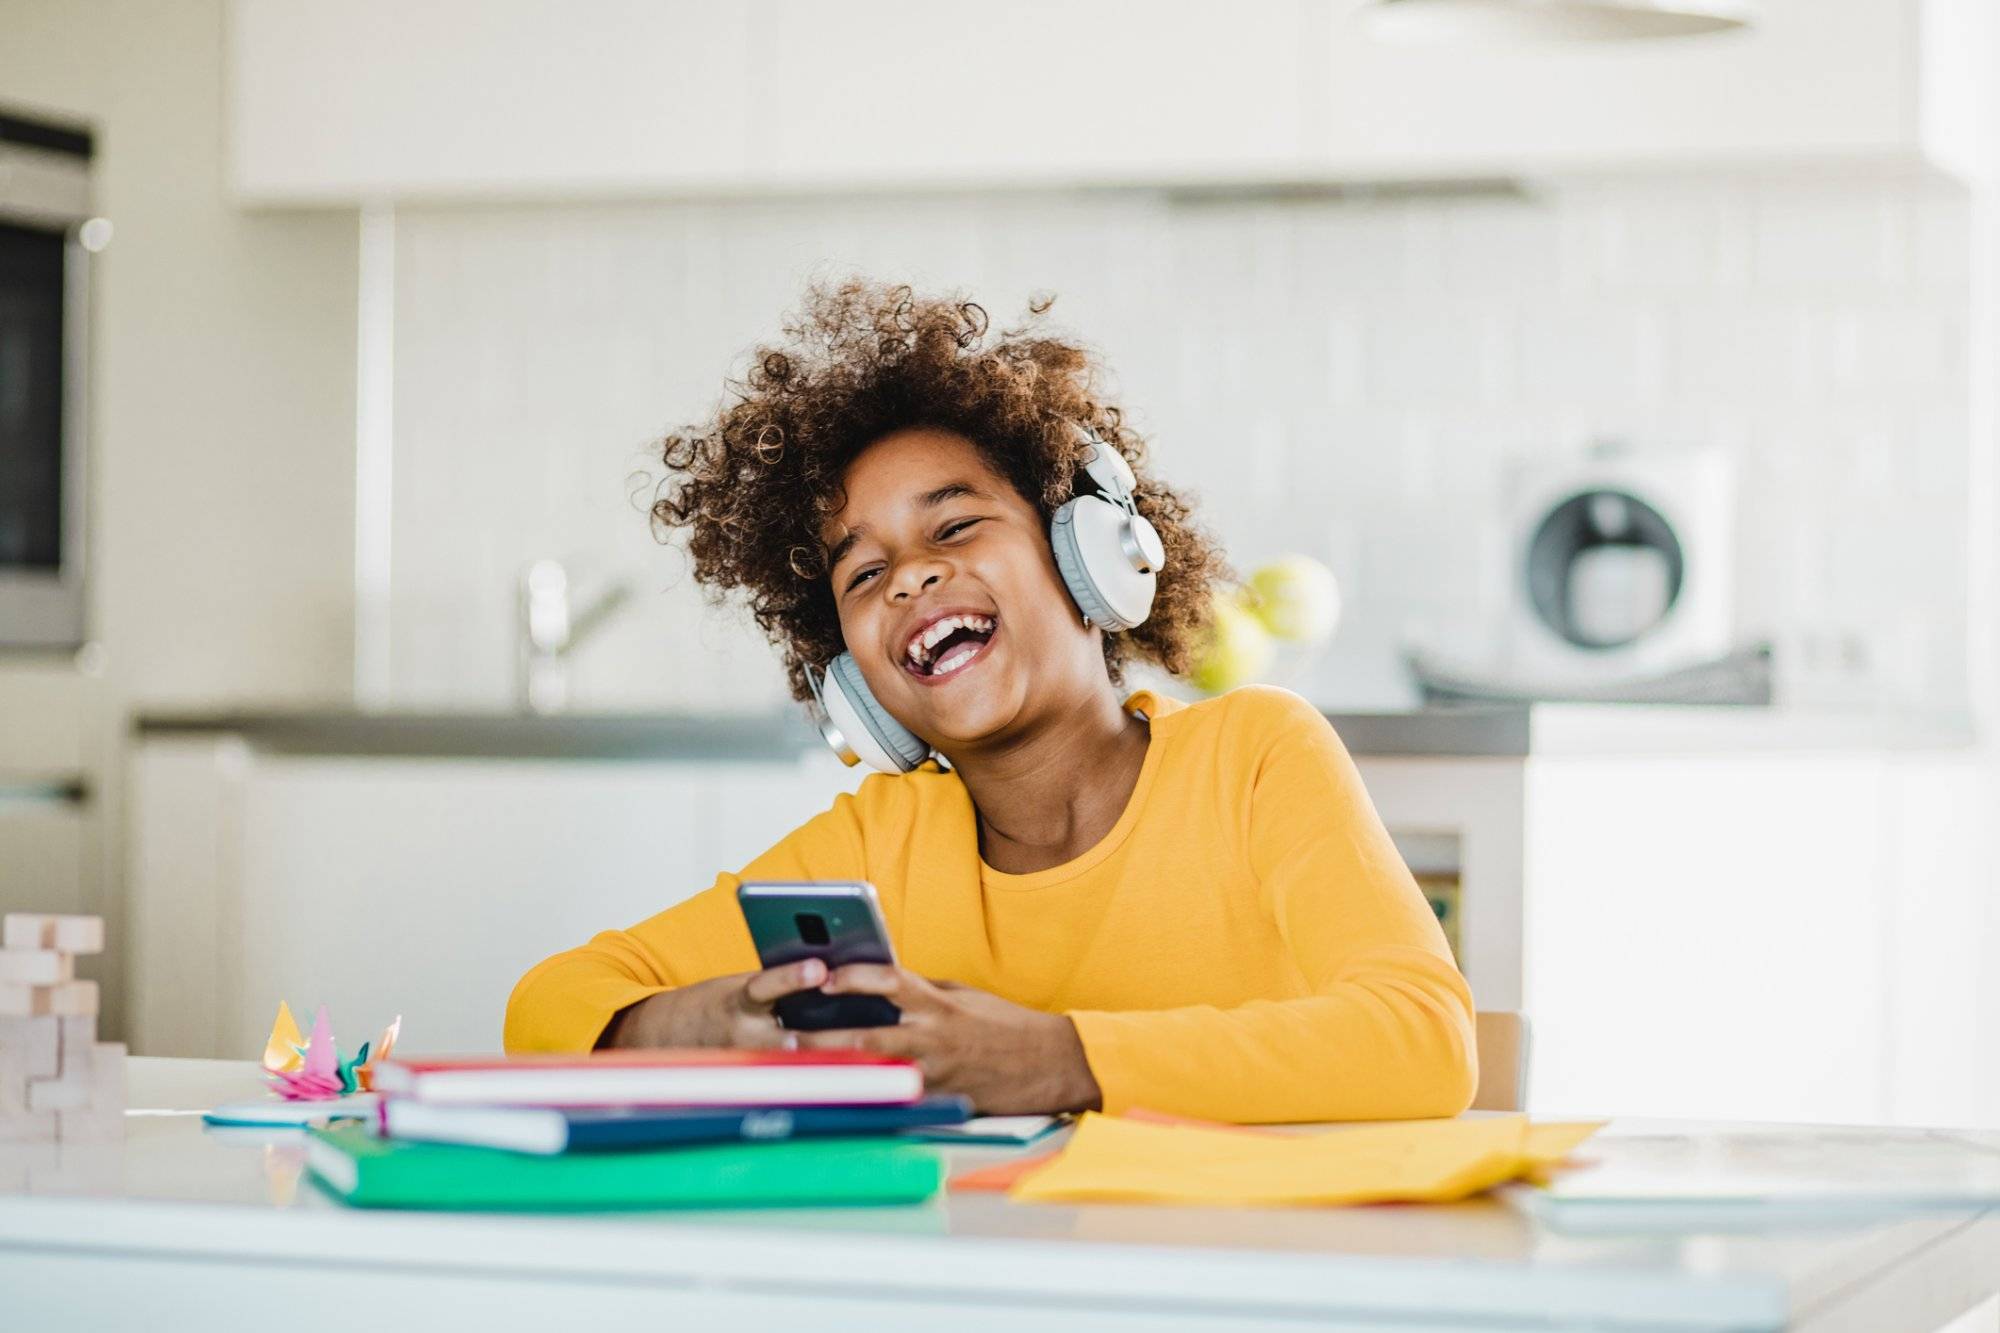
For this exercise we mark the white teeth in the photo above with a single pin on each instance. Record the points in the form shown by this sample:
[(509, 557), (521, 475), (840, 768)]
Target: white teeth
[(921, 644)]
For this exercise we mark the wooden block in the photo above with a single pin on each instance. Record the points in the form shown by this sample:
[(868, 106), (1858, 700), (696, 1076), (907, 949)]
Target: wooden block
[(36, 1043), (93, 1124), (18, 1001), (107, 1076), (36, 967), (28, 1127), (79, 934), (73, 999), (58, 1094), (104, 1118), (67, 1000), (76, 1036), (27, 930), (79, 1050), (13, 1084)]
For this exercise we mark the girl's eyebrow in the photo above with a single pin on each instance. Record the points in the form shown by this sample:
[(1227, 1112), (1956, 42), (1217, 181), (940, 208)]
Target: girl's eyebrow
[(951, 490), (841, 548)]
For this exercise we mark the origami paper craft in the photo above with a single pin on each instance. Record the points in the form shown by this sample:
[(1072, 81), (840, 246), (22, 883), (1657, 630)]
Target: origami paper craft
[(281, 1049), (313, 1070), (383, 1046)]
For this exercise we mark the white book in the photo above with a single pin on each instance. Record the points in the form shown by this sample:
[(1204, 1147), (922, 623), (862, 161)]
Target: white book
[(1791, 1168)]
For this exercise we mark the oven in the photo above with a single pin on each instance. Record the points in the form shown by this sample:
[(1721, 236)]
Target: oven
[(47, 236)]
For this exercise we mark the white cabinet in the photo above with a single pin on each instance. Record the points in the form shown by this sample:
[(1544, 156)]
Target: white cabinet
[(1785, 935), (512, 98), (1864, 82), (918, 91), (365, 99), (422, 886)]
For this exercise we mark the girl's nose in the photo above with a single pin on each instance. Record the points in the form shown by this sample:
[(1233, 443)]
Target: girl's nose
[(913, 577)]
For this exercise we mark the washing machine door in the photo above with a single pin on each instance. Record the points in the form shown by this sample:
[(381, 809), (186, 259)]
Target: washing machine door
[(1604, 569)]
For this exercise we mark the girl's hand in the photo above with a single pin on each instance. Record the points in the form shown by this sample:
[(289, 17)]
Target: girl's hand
[(722, 1011), (1008, 1059)]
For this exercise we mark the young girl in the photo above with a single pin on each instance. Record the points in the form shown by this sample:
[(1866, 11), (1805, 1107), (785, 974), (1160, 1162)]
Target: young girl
[(1104, 901)]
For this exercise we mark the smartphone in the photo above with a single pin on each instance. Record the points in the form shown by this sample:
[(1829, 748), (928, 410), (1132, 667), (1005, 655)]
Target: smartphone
[(835, 921)]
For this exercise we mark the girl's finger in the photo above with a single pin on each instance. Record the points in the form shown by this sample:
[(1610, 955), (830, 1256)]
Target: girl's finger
[(759, 1034), (899, 1042), (874, 979), (774, 984)]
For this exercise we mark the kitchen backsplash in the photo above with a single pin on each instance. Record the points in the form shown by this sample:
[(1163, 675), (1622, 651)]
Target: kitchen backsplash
[(1343, 378)]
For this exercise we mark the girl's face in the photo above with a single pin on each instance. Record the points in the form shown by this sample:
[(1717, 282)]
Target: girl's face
[(949, 597)]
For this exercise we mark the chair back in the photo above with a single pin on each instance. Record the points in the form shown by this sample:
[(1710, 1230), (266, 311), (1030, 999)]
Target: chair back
[(1502, 1039)]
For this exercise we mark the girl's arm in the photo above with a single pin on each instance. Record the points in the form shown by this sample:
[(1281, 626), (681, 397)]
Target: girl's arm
[(566, 1002), (1387, 1030)]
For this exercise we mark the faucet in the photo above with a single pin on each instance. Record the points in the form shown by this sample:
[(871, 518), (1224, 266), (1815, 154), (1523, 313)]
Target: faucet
[(550, 631)]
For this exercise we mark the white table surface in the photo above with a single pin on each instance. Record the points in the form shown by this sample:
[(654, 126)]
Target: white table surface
[(180, 1224)]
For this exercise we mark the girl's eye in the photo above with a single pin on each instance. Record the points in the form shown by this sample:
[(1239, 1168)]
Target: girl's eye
[(953, 529), (860, 579)]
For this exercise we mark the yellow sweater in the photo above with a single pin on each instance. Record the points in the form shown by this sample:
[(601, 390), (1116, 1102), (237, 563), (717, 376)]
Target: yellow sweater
[(1245, 943)]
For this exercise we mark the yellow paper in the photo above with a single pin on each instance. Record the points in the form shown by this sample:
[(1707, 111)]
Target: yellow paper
[(1419, 1161), (1549, 1143), (281, 1054)]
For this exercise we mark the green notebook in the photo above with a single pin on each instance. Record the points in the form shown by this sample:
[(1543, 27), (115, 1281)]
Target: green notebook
[(351, 1164)]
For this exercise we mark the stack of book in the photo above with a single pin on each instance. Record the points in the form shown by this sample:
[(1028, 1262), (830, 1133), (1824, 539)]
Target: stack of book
[(639, 1129)]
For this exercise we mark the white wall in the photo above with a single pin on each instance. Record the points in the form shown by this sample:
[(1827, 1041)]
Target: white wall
[(224, 384), (222, 402), (1341, 378)]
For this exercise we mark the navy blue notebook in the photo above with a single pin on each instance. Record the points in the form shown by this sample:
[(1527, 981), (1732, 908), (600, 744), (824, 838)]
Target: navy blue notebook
[(546, 1130)]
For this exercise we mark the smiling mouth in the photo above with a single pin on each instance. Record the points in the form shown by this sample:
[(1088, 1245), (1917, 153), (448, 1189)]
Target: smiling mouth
[(948, 646)]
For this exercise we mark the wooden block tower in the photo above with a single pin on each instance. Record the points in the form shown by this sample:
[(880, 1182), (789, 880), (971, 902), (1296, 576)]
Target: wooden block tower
[(57, 1080)]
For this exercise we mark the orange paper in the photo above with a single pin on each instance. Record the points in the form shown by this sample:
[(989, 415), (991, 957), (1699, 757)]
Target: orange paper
[(1001, 1176)]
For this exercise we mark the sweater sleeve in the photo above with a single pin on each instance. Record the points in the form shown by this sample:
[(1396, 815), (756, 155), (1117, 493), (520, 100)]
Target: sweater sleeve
[(1386, 1030), (565, 1002)]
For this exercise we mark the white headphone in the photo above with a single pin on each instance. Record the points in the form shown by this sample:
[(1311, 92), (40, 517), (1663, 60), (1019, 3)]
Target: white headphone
[(1109, 557)]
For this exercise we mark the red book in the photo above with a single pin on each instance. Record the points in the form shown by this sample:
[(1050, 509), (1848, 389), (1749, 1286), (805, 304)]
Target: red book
[(657, 1078)]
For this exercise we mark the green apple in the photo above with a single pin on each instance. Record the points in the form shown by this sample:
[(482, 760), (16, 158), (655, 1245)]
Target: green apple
[(1236, 649), (1297, 599)]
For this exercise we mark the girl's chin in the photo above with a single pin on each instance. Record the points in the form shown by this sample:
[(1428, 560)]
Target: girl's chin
[(969, 716)]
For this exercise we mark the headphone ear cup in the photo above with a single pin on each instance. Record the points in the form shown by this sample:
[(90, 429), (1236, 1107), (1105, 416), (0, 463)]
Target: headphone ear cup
[(877, 739), (1085, 536)]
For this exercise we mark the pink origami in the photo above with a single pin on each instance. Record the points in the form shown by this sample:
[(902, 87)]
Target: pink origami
[(319, 1077)]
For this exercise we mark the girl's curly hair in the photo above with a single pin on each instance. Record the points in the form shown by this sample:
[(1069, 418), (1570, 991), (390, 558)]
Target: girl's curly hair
[(859, 361)]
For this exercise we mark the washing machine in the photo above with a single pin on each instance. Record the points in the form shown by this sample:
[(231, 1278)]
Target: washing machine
[(1621, 567)]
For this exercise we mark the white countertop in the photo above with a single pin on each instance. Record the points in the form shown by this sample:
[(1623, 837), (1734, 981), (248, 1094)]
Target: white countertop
[(1644, 729), (1470, 731), (224, 1217)]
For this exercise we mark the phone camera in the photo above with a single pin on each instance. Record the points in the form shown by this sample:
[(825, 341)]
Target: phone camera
[(812, 928)]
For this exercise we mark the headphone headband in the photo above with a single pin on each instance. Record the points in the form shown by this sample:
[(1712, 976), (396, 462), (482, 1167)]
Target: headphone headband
[(1109, 472)]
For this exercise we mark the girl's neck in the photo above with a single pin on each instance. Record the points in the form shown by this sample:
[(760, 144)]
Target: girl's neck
[(1053, 794)]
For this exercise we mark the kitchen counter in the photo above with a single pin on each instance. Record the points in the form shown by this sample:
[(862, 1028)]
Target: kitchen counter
[(180, 1227), (267, 844), (1472, 732)]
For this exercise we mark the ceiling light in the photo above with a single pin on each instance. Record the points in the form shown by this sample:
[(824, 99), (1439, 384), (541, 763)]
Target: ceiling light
[(1588, 20)]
